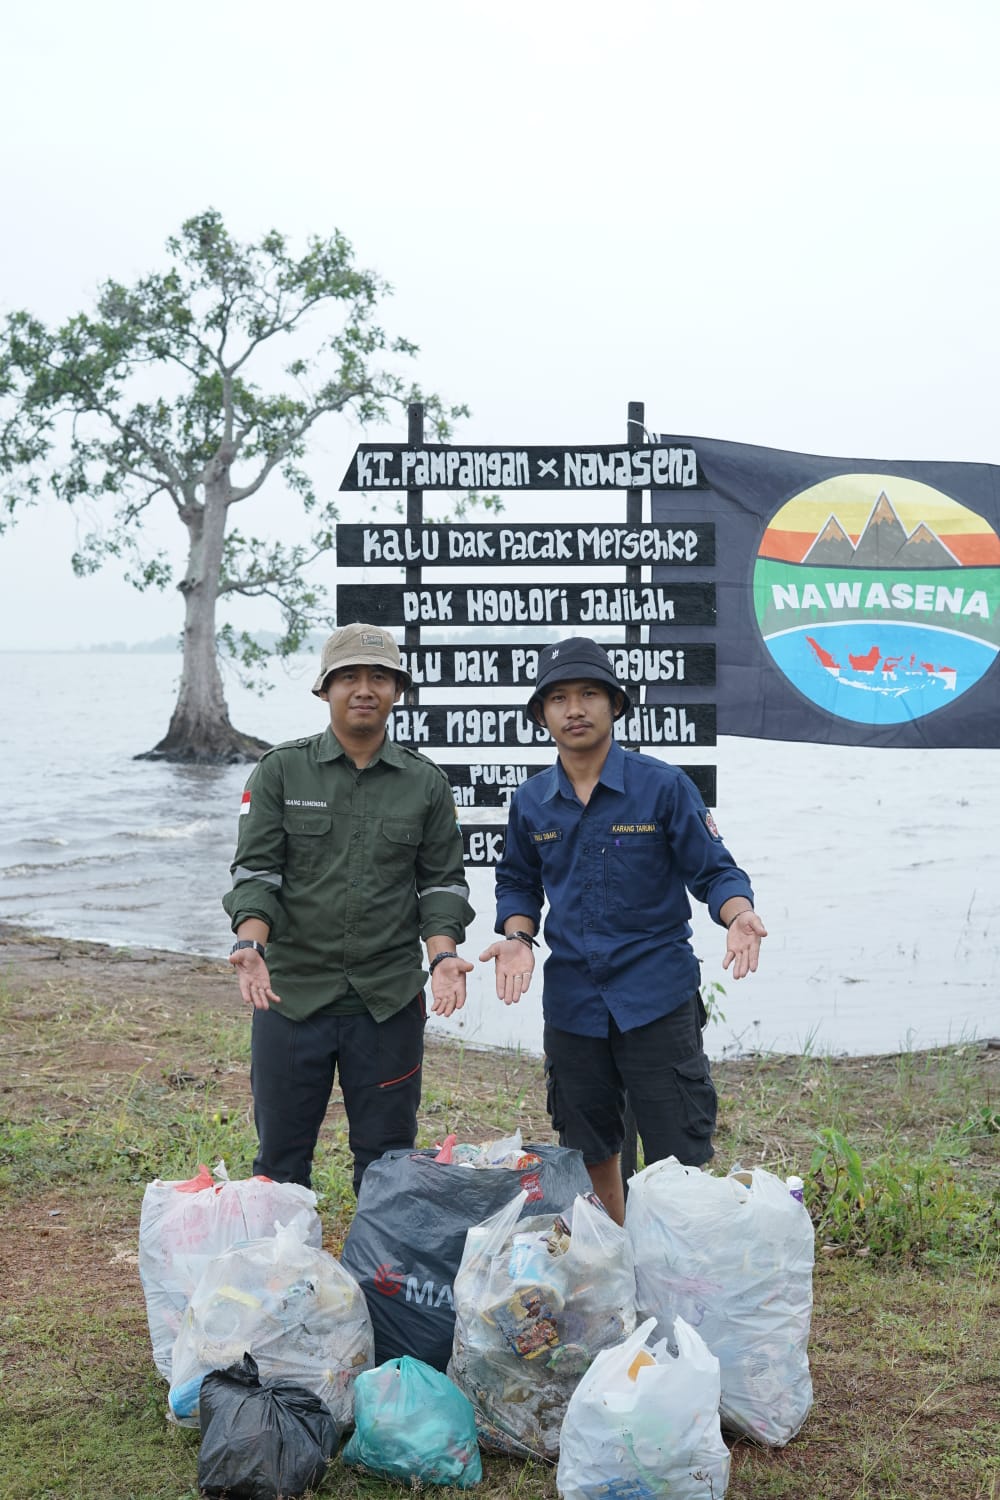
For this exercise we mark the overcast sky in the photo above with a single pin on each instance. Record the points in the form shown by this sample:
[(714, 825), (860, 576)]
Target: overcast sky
[(771, 222)]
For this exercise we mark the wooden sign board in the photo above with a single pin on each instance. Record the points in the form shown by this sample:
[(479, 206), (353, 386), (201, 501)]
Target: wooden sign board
[(517, 666), (493, 783), (677, 545), (486, 783), (435, 466), (506, 724), (525, 604), (483, 844)]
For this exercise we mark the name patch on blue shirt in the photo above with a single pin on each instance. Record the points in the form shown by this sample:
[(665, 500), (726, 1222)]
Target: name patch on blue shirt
[(616, 872)]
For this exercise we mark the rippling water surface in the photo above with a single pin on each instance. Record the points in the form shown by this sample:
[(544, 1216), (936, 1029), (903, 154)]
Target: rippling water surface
[(877, 871)]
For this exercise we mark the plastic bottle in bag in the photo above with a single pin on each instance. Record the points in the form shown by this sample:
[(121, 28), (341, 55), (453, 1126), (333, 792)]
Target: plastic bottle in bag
[(644, 1422), (734, 1259)]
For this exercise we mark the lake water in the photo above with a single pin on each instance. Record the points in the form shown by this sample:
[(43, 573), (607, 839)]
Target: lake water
[(876, 871)]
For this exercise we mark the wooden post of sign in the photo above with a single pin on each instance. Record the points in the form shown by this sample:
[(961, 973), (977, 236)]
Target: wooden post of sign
[(635, 433), (414, 518)]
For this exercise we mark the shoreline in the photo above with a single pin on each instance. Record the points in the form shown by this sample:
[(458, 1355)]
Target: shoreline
[(212, 978)]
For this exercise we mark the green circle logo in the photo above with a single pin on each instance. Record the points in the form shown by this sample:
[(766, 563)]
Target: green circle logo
[(878, 597)]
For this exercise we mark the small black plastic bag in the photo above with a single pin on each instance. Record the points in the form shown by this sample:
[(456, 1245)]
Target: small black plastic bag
[(267, 1440)]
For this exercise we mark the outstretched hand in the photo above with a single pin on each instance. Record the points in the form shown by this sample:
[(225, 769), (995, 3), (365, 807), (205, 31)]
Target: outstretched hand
[(743, 944), (254, 978), (515, 963), (448, 985)]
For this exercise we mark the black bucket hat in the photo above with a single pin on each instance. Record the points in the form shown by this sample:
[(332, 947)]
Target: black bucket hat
[(578, 659)]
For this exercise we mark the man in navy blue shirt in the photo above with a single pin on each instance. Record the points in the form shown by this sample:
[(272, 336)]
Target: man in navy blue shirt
[(614, 841)]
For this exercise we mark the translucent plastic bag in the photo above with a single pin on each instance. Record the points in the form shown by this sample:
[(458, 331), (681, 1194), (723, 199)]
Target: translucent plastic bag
[(645, 1422), (733, 1256), (293, 1307), (184, 1224), (412, 1424), (535, 1300), (262, 1440), (406, 1239)]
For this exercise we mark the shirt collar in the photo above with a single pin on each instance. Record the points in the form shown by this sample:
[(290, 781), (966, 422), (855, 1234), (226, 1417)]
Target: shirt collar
[(612, 775), (388, 752)]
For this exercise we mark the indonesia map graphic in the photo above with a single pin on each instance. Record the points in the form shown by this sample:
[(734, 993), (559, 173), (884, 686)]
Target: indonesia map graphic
[(878, 596)]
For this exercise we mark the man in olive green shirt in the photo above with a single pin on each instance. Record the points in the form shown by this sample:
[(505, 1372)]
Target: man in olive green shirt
[(348, 853)]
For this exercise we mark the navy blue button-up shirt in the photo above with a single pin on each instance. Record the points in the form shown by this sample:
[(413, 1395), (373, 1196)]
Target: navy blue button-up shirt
[(616, 874)]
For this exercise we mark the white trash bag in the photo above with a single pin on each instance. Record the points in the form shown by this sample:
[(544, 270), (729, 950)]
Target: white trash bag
[(645, 1422), (732, 1256), (183, 1225), (292, 1307), (535, 1300)]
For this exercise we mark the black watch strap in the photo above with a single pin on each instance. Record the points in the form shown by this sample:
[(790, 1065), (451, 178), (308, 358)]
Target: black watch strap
[(248, 943)]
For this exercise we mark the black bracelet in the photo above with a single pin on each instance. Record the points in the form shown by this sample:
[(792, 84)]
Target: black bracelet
[(737, 916), (522, 937), (248, 943), (439, 958)]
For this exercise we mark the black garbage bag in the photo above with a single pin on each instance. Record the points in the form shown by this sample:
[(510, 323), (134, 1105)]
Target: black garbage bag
[(405, 1243), (262, 1440)]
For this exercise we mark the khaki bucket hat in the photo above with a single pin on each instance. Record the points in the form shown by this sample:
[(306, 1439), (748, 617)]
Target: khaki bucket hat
[(359, 646)]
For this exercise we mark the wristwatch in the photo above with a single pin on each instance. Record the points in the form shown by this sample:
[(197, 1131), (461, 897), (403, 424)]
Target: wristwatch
[(248, 943)]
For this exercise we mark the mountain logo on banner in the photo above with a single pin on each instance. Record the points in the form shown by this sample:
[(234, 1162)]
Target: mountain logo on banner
[(878, 596)]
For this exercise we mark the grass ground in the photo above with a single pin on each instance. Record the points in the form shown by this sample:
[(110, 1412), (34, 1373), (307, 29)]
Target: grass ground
[(120, 1066)]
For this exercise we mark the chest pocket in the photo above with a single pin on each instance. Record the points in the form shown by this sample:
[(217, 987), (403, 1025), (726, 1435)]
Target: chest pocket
[(396, 850), (634, 870), (307, 840)]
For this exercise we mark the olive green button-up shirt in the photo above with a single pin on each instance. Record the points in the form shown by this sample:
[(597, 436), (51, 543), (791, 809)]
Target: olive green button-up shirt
[(349, 869)]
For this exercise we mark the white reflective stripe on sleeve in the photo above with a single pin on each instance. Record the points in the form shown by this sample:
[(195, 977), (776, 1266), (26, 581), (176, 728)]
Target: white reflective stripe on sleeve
[(269, 877), (447, 890)]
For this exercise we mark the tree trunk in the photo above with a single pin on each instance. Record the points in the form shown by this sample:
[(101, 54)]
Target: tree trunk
[(200, 731)]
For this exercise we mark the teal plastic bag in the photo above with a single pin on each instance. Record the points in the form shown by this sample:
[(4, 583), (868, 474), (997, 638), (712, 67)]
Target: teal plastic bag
[(411, 1423)]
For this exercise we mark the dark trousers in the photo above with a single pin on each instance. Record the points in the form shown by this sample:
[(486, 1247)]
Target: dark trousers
[(663, 1070), (292, 1069)]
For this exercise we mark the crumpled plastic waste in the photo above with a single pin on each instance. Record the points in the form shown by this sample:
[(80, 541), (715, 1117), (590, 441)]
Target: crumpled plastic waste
[(406, 1240), (733, 1256), (412, 1423), (644, 1421), (184, 1225), (508, 1152), (294, 1308), (535, 1300)]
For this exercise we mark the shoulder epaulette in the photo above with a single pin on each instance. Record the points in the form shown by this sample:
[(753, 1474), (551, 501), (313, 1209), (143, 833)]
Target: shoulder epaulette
[(289, 745), (424, 760)]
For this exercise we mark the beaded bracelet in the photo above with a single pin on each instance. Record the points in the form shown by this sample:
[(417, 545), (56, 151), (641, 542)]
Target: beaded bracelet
[(438, 958), (737, 916)]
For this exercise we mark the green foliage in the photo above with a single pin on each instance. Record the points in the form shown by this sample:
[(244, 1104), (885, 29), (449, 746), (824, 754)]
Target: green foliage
[(904, 1203), (109, 1079), (982, 1124), (151, 1134), (712, 995), (156, 397)]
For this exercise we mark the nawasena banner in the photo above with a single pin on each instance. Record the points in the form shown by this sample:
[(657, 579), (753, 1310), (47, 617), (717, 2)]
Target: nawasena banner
[(858, 600)]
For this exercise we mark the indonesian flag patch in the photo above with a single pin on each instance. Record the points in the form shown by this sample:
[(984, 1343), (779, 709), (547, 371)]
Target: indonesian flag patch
[(245, 803)]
